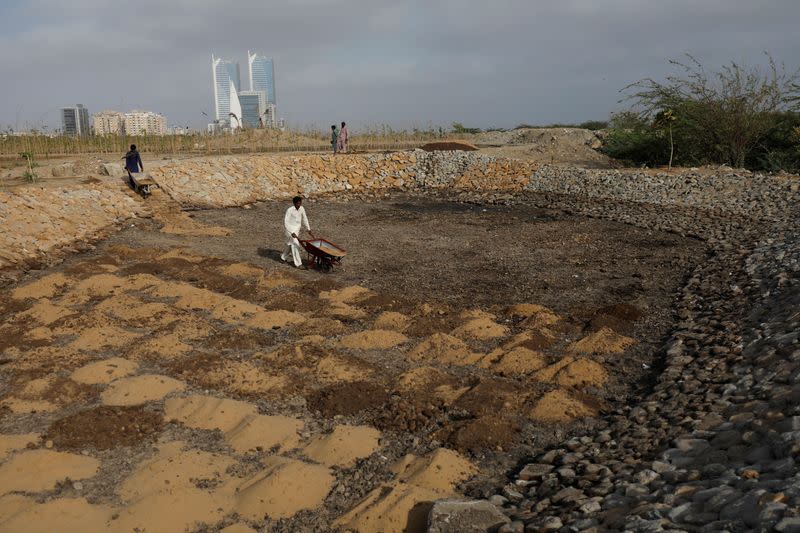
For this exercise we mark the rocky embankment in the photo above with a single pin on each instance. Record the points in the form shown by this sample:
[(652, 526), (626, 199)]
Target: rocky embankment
[(713, 443), (239, 180), (37, 220)]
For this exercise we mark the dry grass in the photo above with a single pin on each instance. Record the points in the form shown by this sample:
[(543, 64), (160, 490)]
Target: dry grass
[(248, 141)]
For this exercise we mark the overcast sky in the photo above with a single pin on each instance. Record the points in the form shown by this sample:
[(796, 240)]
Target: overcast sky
[(370, 62)]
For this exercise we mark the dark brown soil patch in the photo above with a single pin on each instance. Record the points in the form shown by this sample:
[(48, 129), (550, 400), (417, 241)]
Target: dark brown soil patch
[(193, 365), (623, 311), (487, 432), (403, 413), (539, 341), (619, 317), (12, 335), (323, 326), (348, 398), (105, 427), (426, 326), (238, 339), (92, 266), (492, 396), (448, 146), (295, 302), (65, 391)]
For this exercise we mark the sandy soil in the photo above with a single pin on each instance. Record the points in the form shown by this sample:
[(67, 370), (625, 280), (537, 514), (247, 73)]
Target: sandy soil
[(173, 382)]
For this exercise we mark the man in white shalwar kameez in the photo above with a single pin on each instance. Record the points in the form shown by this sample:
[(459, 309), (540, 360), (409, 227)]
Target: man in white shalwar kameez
[(293, 223)]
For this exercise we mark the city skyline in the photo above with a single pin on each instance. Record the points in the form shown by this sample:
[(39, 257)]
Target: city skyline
[(235, 107), (376, 62)]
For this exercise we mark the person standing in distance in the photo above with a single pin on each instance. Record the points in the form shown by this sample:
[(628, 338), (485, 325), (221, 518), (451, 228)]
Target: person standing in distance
[(343, 139), (334, 139), (293, 223)]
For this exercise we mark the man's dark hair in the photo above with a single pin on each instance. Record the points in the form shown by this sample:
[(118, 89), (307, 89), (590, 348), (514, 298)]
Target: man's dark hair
[(133, 147), (343, 124), (297, 199), (333, 127)]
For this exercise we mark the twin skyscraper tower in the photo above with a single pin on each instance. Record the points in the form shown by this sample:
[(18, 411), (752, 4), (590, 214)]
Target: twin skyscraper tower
[(235, 108)]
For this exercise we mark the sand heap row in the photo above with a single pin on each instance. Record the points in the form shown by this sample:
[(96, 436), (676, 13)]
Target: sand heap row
[(141, 395), (34, 220)]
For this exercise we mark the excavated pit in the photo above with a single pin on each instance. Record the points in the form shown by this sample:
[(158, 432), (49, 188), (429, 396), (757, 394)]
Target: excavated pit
[(455, 341)]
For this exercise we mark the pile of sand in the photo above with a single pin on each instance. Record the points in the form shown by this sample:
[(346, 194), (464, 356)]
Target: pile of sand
[(39, 470), (394, 507), (283, 488), (45, 287), (480, 325), (376, 339), (582, 373), (140, 389), (343, 446), (347, 295), (559, 406), (242, 270), (519, 360), (242, 377), (243, 427), (602, 342), (104, 371), (392, 320), (444, 348)]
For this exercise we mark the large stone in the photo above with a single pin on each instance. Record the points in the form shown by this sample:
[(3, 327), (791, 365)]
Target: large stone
[(476, 516)]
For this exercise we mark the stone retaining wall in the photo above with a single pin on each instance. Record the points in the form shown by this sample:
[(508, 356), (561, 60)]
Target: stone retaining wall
[(738, 192), (239, 180)]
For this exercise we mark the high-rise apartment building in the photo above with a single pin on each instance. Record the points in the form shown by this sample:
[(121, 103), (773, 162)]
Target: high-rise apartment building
[(261, 71), (108, 123), (254, 106), (145, 122), (75, 120), (224, 72)]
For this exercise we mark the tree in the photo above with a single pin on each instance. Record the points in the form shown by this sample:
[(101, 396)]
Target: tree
[(728, 112), (664, 120)]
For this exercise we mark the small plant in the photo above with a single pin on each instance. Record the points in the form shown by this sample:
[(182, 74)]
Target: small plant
[(29, 174)]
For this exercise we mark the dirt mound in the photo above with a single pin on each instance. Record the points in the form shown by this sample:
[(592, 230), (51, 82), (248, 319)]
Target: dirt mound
[(448, 146), (408, 413), (601, 342), (105, 427), (402, 504), (571, 146), (377, 339), (618, 317), (492, 396), (488, 432), (558, 406), (348, 398), (444, 348), (343, 446), (583, 372)]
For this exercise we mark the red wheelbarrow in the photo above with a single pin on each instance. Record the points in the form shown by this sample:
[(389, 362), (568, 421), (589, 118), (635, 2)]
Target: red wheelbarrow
[(322, 253)]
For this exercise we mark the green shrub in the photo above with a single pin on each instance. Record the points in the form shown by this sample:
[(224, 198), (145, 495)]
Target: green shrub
[(739, 116)]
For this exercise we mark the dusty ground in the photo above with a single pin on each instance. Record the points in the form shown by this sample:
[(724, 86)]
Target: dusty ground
[(560, 146), (168, 382)]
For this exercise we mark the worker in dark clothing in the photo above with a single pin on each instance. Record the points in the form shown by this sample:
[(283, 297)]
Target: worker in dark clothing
[(133, 163)]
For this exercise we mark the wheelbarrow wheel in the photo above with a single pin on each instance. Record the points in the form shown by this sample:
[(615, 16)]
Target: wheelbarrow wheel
[(326, 267)]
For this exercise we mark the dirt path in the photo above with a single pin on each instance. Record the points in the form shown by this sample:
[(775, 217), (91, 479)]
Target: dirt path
[(170, 381)]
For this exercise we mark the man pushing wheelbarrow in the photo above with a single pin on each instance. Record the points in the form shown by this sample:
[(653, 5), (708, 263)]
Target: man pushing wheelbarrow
[(321, 253)]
